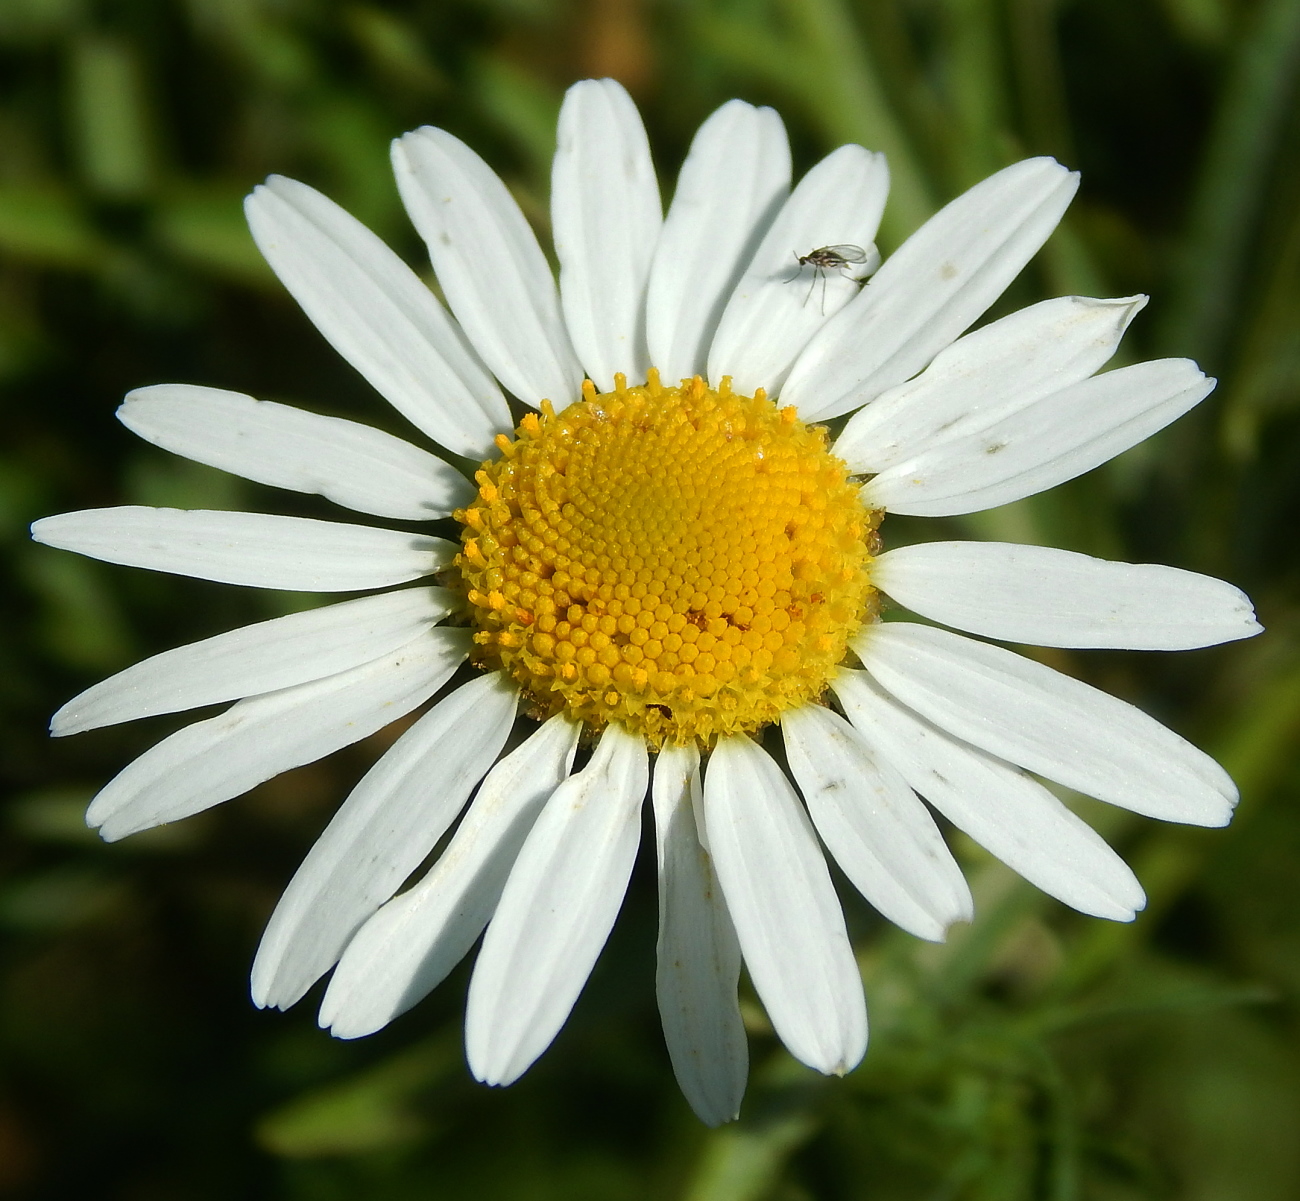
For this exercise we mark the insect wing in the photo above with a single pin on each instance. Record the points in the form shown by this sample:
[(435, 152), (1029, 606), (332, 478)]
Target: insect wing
[(846, 252)]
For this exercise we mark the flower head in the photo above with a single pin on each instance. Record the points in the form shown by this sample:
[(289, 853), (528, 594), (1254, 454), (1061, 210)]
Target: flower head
[(663, 551)]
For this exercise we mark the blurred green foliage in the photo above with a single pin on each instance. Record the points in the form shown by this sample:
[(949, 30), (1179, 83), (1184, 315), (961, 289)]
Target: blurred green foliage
[(1036, 1055)]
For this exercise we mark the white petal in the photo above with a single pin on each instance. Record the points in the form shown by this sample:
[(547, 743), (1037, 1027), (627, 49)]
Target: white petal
[(491, 269), (784, 907), (931, 289), (882, 837), (258, 658), (406, 949), (1048, 597), (1010, 815), (373, 309), (351, 464), (697, 957), (1051, 724), (984, 377), (264, 550), (605, 217), (391, 820), (778, 305), (556, 911), (731, 185), (214, 760), (1057, 438)]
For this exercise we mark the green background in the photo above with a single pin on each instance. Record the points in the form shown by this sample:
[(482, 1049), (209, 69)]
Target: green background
[(1036, 1055)]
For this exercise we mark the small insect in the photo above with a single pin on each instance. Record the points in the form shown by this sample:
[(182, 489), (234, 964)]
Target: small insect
[(838, 259)]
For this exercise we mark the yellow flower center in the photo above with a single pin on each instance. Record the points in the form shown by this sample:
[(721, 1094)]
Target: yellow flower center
[(686, 562)]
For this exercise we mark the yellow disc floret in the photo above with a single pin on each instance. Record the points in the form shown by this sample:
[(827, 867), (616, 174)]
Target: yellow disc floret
[(686, 562)]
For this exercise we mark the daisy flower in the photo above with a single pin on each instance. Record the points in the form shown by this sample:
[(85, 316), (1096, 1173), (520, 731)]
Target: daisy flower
[(665, 557)]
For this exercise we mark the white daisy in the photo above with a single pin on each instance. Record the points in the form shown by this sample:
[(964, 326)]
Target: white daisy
[(673, 567)]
